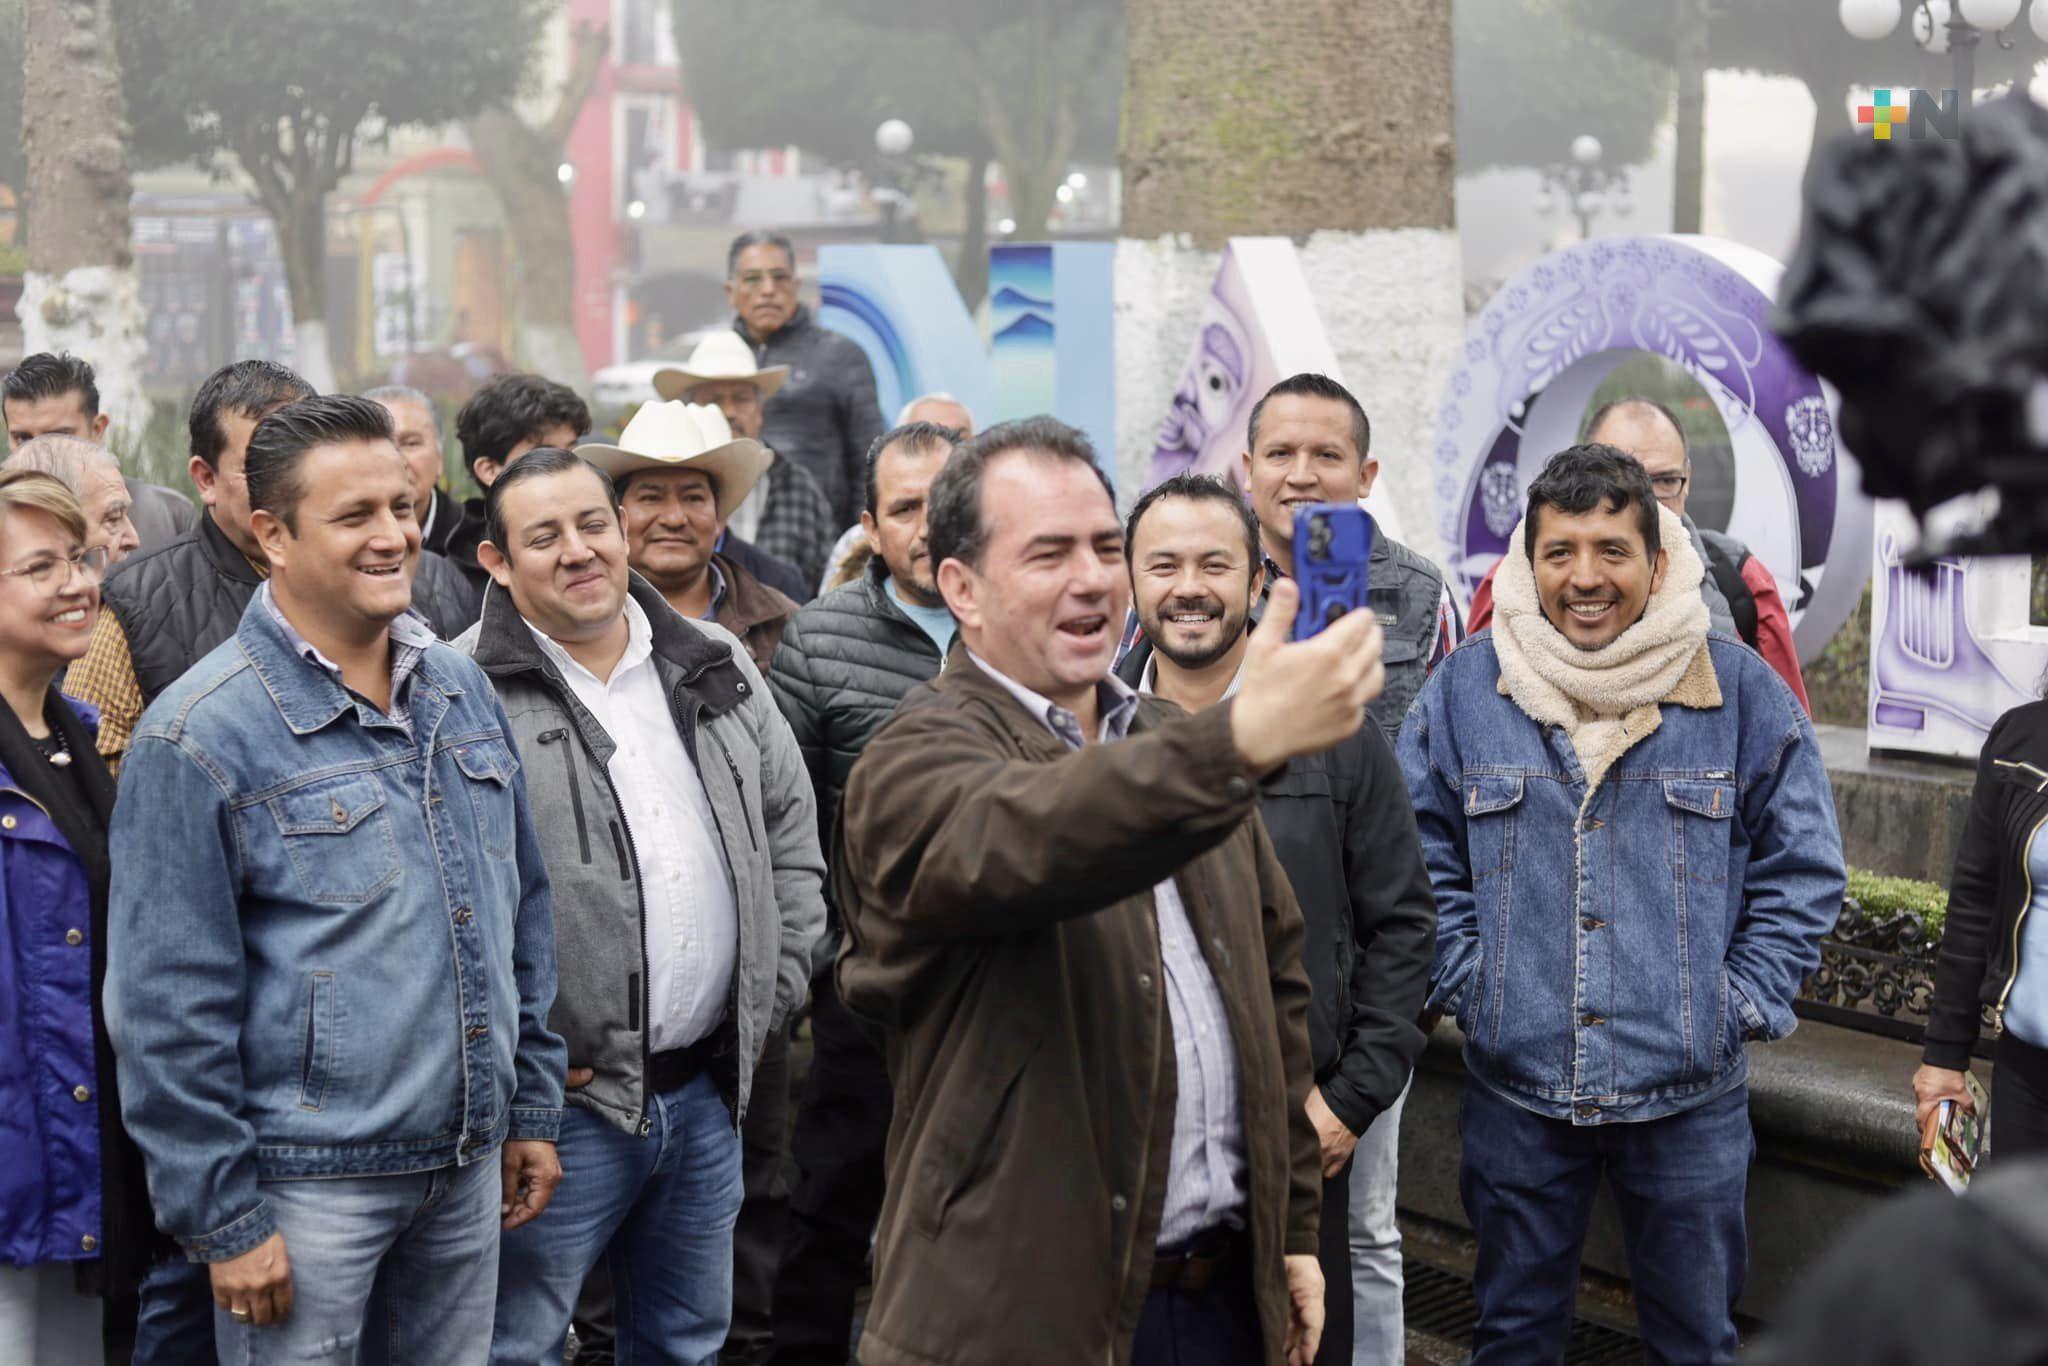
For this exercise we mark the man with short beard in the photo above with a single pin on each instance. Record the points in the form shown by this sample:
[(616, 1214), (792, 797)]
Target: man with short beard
[(1634, 851), (845, 662), (1340, 823)]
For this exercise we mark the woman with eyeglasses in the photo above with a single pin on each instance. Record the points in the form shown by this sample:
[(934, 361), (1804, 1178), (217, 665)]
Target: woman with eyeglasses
[(75, 1229)]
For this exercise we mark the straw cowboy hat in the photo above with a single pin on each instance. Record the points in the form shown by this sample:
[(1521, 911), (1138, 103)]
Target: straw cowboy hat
[(694, 436), (722, 355)]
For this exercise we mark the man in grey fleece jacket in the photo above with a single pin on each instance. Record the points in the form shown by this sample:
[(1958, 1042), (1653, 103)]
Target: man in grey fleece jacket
[(682, 841)]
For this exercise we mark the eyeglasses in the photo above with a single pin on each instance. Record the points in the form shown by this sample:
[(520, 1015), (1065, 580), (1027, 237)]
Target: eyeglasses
[(1667, 485), (89, 565)]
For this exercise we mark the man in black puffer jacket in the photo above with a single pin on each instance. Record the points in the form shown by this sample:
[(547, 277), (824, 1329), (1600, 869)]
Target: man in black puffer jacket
[(844, 663), (826, 415)]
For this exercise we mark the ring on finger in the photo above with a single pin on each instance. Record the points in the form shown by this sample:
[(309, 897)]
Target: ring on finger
[(239, 1315)]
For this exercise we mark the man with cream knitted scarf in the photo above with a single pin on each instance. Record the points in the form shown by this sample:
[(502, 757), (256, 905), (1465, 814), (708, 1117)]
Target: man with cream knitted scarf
[(1633, 847)]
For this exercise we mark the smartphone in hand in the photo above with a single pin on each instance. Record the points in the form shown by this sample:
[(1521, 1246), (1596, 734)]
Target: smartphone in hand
[(1332, 542)]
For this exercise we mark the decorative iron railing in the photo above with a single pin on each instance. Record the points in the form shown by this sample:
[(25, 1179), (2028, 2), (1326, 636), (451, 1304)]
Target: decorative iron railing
[(1876, 974)]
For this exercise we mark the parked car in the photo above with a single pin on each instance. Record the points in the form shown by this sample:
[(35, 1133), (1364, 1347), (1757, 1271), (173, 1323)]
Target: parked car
[(631, 383)]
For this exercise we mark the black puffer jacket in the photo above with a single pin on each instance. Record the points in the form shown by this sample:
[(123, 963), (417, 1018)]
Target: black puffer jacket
[(826, 415), (844, 663), (176, 603), (1344, 828), (1990, 887)]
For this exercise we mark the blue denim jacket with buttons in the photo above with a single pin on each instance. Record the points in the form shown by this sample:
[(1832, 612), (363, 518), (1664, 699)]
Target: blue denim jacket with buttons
[(330, 950), (1608, 953)]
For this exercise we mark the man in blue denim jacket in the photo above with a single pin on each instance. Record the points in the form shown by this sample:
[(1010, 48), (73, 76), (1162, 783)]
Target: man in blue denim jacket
[(330, 955), (1634, 852)]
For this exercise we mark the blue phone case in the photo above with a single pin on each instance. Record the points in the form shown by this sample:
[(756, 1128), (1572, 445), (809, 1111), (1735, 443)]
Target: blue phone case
[(1332, 542)]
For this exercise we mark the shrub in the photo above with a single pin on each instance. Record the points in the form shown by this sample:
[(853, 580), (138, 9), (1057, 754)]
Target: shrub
[(1880, 895)]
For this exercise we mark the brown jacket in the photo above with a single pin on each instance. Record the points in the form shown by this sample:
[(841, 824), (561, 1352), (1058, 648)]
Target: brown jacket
[(998, 895), (753, 611)]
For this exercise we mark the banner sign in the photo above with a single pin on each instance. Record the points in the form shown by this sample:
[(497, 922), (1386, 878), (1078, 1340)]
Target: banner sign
[(1050, 314)]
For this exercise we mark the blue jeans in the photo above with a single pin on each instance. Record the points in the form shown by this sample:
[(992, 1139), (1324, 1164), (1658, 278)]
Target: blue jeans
[(1528, 1184), (1378, 1331), (659, 1209), (433, 1236), (175, 1327)]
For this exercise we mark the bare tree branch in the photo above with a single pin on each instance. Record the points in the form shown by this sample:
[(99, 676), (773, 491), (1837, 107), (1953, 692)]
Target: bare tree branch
[(586, 59)]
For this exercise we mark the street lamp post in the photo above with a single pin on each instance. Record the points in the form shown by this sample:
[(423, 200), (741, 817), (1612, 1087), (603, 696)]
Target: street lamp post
[(893, 140), (1581, 181), (1954, 27)]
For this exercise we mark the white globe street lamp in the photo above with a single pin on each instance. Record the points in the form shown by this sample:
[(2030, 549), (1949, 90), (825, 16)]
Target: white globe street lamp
[(1951, 28), (1870, 20), (1577, 186), (894, 176), (893, 138), (1990, 15)]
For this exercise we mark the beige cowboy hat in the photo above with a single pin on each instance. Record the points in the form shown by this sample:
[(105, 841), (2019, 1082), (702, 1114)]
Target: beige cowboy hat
[(720, 356), (675, 435)]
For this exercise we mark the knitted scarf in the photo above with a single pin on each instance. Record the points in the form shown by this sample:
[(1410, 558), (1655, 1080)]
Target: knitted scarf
[(1609, 698)]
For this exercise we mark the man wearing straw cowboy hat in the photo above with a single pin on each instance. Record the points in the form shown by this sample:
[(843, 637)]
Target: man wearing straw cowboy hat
[(680, 472), (787, 515)]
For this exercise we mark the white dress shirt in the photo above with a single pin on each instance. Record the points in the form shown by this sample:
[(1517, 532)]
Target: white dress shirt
[(692, 921)]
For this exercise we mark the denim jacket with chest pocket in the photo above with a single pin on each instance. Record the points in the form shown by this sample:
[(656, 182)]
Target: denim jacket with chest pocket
[(330, 946), (1608, 954)]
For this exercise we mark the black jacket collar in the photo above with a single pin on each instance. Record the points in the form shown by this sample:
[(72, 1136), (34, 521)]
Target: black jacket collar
[(223, 554)]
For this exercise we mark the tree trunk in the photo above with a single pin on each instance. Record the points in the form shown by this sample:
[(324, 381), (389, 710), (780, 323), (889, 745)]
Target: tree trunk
[(80, 294), (521, 163), (520, 167), (302, 241), (1027, 92), (1233, 126), (1690, 56), (970, 271)]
